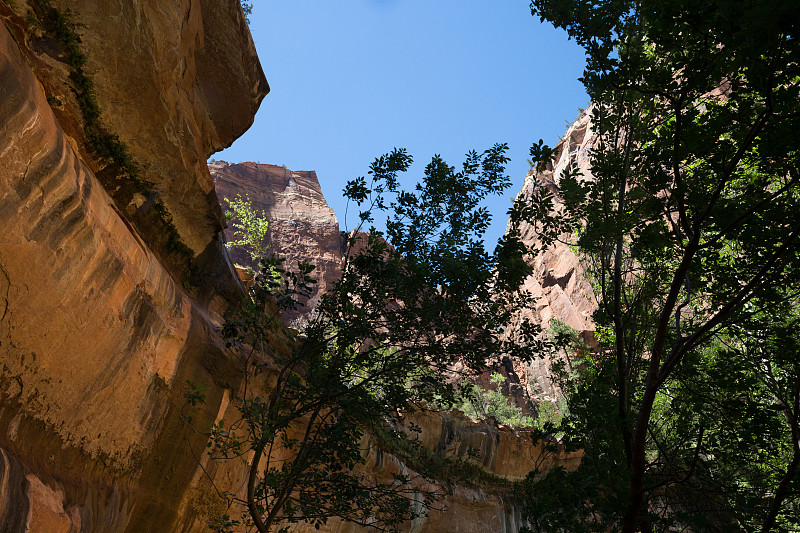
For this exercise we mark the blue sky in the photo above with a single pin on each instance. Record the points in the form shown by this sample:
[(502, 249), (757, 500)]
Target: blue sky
[(352, 79)]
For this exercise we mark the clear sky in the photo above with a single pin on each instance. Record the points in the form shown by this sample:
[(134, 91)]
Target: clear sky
[(352, 79)]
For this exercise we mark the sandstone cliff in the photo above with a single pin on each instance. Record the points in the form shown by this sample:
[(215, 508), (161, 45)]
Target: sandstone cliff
[(97, 338), (180, 80), (558, 279), (474, 497), (302, 227)]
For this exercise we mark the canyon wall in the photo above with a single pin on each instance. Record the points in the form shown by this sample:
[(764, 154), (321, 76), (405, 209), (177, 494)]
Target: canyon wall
[(114, 279), (97, 336), (302, 227), (558, 277)]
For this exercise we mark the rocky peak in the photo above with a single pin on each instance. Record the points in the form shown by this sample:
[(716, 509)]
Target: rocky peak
[(302, 227)]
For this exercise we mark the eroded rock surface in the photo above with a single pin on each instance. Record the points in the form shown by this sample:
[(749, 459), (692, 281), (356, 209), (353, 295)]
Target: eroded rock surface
[(302, 227), (97, 339), (98, 335), (176, 81)]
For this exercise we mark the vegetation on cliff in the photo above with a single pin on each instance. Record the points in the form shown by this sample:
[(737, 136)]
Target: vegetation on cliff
[(247, 9), (121, 175), (689, 413), (249, 225)]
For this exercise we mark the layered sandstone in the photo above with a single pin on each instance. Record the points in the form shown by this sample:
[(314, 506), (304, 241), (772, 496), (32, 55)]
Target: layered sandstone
[(302, 227), (176, 81), (97, 339), (474, 500), (99, 333), (475, 496)]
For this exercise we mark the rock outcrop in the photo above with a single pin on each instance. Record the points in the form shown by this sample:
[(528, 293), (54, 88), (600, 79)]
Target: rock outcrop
[(302, 227), (178, 81), (558, 279), (102, 323)]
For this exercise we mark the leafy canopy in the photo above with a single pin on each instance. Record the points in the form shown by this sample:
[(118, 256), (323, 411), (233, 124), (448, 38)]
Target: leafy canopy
[(688, 225), (250, 225)]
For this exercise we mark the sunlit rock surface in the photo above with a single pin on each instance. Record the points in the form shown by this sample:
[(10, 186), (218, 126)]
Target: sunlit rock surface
[(558, 278), (99, 333), (97, 340), (302, 227), (176, 81)]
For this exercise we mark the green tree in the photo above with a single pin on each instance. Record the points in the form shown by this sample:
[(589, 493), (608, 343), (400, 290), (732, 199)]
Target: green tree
[(690, 224), (249, 225), (247, 9), (739, 397), (477, 402), (412, 306)]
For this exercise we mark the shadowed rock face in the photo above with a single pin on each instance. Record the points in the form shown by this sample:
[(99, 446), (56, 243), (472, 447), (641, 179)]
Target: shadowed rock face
[(302, 227)]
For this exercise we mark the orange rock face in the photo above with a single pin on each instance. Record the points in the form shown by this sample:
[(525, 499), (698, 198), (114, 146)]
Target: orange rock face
[(176, 81), (97, 339)]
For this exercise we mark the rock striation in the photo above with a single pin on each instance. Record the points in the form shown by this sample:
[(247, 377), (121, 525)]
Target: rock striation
[(97, 339), (101, 327), (178, 81), (302, 227), (477, 495)]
